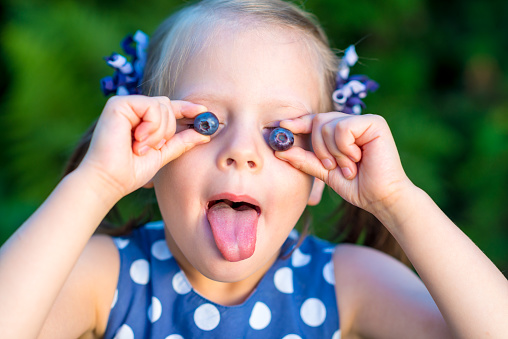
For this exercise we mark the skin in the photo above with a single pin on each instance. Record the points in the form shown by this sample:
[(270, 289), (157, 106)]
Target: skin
[(232, 84), (53, 261)]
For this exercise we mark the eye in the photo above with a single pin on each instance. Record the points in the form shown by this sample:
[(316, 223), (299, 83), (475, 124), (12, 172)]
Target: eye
[(281, 139), (206, 123), (268, 130)]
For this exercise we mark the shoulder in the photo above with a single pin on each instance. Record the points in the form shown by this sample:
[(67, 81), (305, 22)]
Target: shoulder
[(378, 294)]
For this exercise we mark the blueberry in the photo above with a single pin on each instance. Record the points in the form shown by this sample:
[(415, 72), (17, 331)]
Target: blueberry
[(206, 123), (281, 139)]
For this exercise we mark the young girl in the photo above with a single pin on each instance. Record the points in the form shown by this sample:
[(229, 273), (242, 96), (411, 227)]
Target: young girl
[(224, 262)]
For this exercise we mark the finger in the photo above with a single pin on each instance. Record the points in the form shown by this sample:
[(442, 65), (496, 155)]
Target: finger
[(150, 122), (345, 138), (307, 162), (304, 161), (300, 125), (320, 132), (184, 109), (347, 166), (181, 143), (303, 124), (164, 132)]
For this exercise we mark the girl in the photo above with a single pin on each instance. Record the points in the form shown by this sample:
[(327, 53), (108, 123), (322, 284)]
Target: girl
[(224, 263)]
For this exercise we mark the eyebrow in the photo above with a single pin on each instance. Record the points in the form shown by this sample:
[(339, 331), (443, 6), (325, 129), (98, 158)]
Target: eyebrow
[(273, 102)]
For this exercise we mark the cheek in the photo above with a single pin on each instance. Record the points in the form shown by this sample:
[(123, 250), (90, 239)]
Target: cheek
[(174, 186), (293, 186)]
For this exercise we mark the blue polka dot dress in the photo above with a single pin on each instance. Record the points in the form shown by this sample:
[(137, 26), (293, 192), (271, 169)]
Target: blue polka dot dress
[(295, 299)]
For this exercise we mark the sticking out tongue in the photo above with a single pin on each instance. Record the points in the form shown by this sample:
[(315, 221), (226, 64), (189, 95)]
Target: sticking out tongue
[(234, 229)]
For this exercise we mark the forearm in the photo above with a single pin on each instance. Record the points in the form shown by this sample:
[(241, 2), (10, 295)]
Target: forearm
[(36, 261), (469, 290)]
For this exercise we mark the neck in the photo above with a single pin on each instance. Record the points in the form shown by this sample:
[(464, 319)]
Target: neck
[(223, 293), (226, 293)]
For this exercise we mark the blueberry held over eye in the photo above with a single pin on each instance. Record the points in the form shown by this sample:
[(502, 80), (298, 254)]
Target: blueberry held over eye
[(206, 123), (281, 139)]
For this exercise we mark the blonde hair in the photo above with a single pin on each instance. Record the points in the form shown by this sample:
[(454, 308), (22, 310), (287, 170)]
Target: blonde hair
[(189, 30)]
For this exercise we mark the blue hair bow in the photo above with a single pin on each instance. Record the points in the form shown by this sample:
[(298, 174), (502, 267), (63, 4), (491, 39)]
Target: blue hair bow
[(351, 89), (128, 75)]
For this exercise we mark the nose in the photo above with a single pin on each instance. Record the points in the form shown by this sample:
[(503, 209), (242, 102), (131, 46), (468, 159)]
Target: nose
[(242, 149)]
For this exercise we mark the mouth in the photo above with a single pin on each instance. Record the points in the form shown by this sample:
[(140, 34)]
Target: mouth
[(236, 205), (233, 220)]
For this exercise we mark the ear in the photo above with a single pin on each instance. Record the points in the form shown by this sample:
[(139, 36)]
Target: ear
[(316, 192)]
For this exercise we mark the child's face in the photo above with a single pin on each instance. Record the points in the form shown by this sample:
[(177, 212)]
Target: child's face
[(251, 80)]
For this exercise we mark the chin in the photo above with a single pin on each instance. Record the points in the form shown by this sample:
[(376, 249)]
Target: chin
[(216, 268)]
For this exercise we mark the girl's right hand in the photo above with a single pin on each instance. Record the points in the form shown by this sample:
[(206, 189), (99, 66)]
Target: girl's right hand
[(135, 137)]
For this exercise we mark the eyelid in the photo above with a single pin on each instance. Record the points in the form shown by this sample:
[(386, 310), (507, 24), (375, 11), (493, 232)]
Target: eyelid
[(273, 124)]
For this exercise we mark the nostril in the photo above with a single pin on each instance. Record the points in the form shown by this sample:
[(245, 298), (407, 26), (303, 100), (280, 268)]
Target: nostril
[(230, 161), (251, 164)]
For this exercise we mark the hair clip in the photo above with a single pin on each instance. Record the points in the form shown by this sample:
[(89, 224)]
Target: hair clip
[(128, 75), (351, 89)]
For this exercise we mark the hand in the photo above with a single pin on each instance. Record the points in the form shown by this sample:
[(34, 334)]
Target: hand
[(135, 137), (355, 155)]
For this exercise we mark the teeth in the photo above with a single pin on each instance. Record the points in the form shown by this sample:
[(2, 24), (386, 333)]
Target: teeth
[(237, 205)]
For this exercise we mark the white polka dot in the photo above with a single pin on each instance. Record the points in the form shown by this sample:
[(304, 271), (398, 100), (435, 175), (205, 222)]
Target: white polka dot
[(207, 317), (124, 332), (174, 336), (336, 335), (328, 273), (260, 316), (115, 299), (329, 250), (180, 283), (121, 243), (155, 310), (283, 280), (160, 250), (140, 271), (293, 234), (313, 312), (299, 259), (292, 336)]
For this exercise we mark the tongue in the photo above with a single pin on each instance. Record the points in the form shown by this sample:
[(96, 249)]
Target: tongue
[(234, 230)]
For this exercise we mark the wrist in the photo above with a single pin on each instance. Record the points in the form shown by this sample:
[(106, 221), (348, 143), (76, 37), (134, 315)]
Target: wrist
[(95, 185), (397, 208)]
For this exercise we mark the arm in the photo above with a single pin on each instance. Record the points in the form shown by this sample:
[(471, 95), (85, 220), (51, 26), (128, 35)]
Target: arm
[(471, 293), (36, 262)]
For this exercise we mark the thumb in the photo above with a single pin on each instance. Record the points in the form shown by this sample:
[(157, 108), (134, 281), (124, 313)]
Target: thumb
[(181, 143), (309, 163), (304, 161)]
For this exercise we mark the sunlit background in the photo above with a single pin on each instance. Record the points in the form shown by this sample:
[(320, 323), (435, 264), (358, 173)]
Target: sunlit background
[(442, 67)]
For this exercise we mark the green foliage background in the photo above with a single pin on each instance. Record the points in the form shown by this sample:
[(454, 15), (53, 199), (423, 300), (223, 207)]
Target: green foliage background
[(442, 66)]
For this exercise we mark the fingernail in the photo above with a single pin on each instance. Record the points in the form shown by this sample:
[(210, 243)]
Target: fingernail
[(161, 143), (204, 140), (327, 163), (346, 172), (143, 150)]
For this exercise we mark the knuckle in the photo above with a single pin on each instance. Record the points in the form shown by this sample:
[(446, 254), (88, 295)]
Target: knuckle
[(165, 99), (327, 130), (377, 118), (341, 126), (319, 119)]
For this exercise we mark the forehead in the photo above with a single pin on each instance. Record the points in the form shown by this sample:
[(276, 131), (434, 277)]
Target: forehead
[(258, 64)]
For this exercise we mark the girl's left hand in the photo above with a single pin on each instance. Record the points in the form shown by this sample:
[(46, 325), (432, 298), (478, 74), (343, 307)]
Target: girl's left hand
[(353, 154)]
